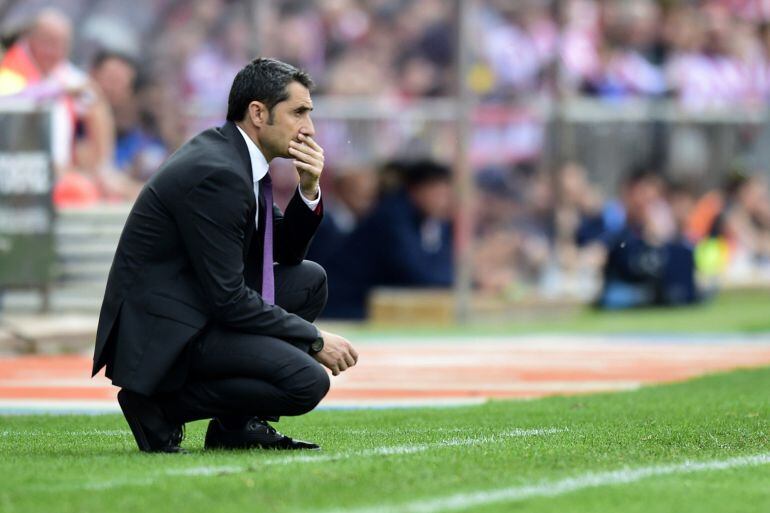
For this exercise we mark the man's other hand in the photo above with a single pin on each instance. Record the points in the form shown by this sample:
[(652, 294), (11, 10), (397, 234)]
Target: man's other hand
[(337, 354)]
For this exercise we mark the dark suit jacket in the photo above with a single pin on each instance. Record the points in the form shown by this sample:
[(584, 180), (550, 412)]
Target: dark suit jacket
[(190, 255)]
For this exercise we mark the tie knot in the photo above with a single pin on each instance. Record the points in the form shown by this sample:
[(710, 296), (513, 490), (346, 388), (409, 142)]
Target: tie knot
[(266, 179)]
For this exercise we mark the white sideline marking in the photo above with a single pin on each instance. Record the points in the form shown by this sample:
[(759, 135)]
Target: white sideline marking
[(57, 406), (366, 453), (313, 458), (462, 501)]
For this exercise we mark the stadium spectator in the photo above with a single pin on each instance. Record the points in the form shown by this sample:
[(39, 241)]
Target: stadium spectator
[(138, 152), (496, 255), (738, 218), (703, 70), (82, 126), (682, 197), (629, 52), (515, 229), (578, 209), (210, 67), (405, 242), (648, 261), (353, 193)]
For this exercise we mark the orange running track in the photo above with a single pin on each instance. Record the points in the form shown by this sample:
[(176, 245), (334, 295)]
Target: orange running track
[(432, 371)]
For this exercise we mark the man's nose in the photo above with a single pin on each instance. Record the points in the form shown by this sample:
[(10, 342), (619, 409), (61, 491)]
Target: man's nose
[(308, 128)]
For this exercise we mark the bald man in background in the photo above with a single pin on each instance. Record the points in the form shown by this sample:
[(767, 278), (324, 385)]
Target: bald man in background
[(39, 67)]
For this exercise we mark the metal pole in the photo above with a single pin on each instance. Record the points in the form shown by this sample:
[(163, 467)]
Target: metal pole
[(563, 141), (258, 13), (463, 176)]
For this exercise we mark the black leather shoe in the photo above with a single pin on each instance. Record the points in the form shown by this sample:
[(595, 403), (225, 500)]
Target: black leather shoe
[(152, 432), (255, 434)]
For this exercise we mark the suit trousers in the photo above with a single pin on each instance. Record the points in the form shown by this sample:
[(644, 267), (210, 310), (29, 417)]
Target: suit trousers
[(235, 375)]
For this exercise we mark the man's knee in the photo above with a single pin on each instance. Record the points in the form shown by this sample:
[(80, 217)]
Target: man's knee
[(317, 278), (311, 386), (301, 289)]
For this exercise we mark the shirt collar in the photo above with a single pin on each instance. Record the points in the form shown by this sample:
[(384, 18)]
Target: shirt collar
[(259, 164)]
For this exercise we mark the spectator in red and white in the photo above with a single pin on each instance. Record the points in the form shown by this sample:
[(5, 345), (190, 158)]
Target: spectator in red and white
[(630, 54), (211, 67), (82, 125), (510, 51), (581, 42), (713, 62), (39, 61), (750, 10)]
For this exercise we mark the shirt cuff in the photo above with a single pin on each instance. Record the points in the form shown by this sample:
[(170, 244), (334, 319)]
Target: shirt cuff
[(311, 204)]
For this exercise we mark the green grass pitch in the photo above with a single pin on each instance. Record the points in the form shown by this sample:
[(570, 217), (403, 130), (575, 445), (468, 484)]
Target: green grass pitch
[(701, 446)]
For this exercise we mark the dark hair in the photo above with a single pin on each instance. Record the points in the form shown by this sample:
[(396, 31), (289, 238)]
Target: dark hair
[(263, 80), (638, 174), (425, 171), (734, 182), (11, 35), (105, 55)]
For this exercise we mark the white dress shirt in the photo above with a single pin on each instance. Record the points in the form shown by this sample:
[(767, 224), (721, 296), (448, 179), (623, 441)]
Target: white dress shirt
[(259, 167)]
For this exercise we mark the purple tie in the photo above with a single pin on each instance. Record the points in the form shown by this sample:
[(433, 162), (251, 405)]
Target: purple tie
[(268, 283)]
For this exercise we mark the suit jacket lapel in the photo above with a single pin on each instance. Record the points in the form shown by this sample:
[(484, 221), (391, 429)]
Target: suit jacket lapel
[(231, 132), (236, 139)]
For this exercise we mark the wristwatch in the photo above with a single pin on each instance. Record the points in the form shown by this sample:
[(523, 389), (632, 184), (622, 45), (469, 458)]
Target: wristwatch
[(317, 344)]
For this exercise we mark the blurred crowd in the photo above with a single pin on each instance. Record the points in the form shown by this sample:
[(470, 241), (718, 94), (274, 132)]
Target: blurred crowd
[(389, 228), (657, 241), (706, 53), (129, 82), (140, 78)]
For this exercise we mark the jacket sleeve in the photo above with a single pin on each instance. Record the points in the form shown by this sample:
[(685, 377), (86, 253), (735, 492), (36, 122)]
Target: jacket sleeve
[(212, 219), (294, 230)]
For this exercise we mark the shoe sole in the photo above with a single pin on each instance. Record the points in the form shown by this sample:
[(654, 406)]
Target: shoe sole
[(248, 447), (213, 442), (133, 423)]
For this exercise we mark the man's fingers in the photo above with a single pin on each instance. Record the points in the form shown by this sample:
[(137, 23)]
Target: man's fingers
[(310, 162), (338, 355), (309, 140), (306, 157), (307, 150), (330, 362), (307, 167)]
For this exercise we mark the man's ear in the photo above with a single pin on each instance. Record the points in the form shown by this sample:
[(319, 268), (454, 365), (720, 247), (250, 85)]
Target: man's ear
[(257, 113)]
